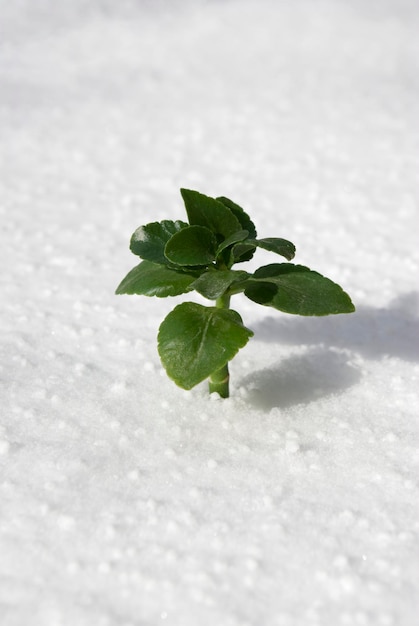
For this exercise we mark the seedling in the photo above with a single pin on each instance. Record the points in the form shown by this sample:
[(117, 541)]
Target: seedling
[(197, 342)]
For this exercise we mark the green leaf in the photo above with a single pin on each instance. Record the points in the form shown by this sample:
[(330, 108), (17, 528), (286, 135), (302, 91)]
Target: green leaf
[(297, 289), (242, 216), (149, 241), (193, 245), (213, 283), (205, 211), (275, 244), (241, 235), (242, 252), (194, 341), (152, 279)]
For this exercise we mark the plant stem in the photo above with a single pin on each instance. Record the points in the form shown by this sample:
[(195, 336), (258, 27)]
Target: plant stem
[(223, 302), (219, 380)]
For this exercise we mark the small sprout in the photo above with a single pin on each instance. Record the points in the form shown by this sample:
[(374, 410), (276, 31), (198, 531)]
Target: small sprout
[(196, 342)]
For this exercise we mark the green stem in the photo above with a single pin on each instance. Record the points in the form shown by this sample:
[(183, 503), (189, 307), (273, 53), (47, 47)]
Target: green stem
[(219, 380), (223, 302)]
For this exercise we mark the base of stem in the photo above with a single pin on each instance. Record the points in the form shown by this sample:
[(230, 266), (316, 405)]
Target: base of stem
[(222, 388), (219, 382)]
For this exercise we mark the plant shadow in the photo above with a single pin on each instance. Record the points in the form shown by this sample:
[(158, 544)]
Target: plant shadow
[(301, 379), (372, 332), (325, 368)]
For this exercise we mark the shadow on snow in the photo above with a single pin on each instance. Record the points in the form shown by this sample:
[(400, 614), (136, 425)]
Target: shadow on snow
[(321, 371), (373, 333), (301, 379)]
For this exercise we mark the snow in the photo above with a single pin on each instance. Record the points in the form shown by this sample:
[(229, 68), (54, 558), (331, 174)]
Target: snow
[(126, 501)]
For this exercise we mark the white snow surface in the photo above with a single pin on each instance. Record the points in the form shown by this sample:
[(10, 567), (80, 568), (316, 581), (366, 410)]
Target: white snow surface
[(126, 501)]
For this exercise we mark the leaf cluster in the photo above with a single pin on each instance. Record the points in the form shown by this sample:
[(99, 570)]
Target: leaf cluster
[(199, 255), (179, 257)]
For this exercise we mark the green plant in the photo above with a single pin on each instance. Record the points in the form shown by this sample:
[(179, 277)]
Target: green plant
[(196, 342)]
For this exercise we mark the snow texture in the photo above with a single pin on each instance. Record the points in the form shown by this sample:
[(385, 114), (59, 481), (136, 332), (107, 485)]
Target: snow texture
[(126, 501)]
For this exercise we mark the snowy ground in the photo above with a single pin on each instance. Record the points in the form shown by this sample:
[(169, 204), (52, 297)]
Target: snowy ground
[(126, 501)]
